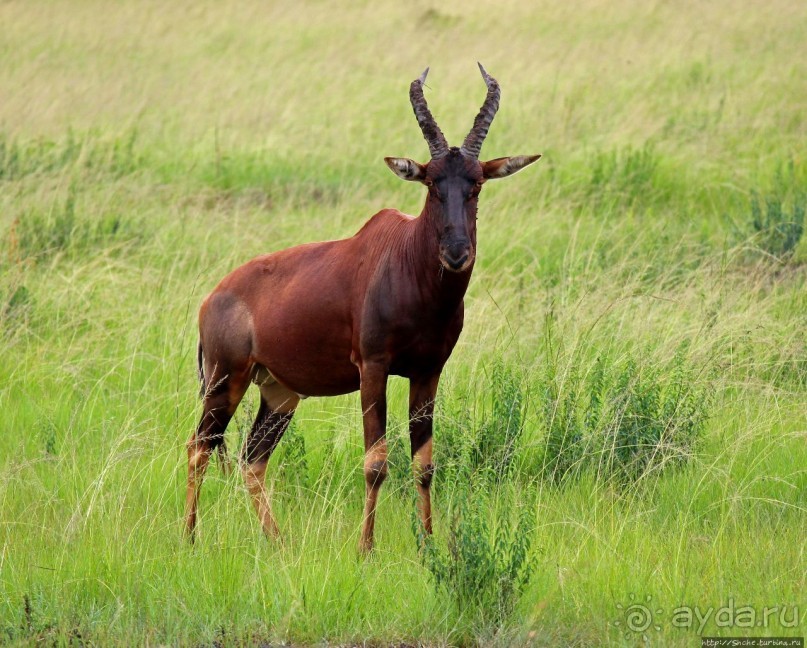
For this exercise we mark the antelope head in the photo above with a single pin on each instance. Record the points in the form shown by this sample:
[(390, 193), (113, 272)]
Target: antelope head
[(454, 176)]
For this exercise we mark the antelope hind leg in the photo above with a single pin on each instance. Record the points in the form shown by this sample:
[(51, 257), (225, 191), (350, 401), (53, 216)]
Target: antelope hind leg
[(274, 415)]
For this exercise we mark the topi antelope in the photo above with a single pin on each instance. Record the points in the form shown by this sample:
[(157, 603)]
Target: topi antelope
[(330, 318)]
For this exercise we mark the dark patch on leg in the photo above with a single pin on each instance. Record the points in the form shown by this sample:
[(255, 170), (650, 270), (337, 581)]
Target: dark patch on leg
[(266, 432)]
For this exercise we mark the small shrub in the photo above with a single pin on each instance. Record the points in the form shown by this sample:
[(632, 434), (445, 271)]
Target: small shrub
[(497, 439), (624, 422), (466, 447), (453, 429), (775, 229), (47, 435), (564, 451), (485, 565), (652, 424), (31, 623)]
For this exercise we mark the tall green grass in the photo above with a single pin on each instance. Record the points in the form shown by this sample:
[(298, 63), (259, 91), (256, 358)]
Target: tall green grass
[(623, 417)]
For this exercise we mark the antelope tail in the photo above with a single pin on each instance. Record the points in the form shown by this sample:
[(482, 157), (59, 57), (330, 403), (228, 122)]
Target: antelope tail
[(200, 370)]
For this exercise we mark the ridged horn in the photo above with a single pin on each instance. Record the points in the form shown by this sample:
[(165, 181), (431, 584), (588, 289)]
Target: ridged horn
[(438, 147), (473, 143)]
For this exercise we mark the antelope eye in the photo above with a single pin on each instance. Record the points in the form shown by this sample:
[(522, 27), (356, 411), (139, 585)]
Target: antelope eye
[(428, 182)]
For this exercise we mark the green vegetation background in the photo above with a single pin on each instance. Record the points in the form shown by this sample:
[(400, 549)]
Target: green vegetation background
[(147, 148)]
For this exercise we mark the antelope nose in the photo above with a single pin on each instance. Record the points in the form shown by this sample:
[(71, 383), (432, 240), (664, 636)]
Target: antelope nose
[(454, 258)]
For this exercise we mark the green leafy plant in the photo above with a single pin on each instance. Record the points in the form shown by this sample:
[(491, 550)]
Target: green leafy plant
[(48, 437), (564, 451), (497, 440), (653, 422), (623, 419), (775, 228), (485, 564), (467, 446)]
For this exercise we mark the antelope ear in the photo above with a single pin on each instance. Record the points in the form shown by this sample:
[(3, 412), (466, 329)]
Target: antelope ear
[(503, 167), (406, 169)]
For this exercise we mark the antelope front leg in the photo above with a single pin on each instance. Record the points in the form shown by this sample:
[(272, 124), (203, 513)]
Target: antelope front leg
[(374, 414), (421, 418)]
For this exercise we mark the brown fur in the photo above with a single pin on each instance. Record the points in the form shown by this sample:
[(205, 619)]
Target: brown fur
[(329, 318)]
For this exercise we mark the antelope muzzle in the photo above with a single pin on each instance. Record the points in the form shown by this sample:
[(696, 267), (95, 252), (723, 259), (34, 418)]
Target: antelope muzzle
[(456, 256)]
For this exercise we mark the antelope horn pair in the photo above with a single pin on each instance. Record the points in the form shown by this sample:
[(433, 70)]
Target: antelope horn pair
[(438, 146)]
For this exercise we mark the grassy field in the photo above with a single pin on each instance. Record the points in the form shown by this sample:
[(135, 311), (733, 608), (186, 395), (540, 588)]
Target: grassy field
[(628, 397)]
